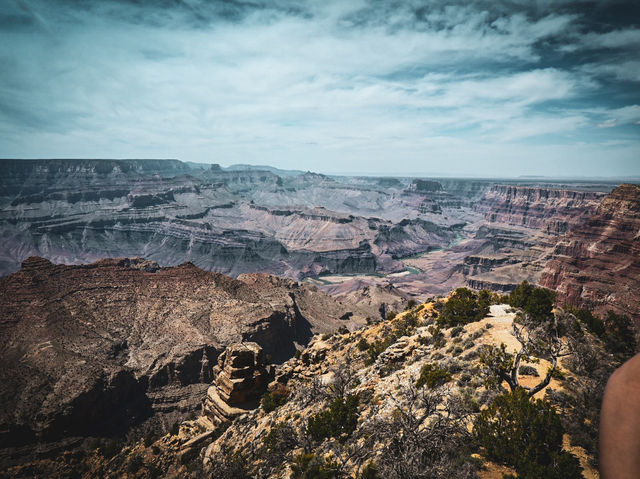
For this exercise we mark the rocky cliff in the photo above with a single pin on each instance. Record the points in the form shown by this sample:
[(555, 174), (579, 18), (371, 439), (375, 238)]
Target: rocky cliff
[(550, 209), (597, 264), (96, 349)]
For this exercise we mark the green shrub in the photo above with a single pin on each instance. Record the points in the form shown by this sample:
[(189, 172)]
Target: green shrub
[(390, 315), (619, 338), (463, 307), (527, 370), (363, 344), (339, 420), (526, 435), (134, 464), (437, 337), (410, 304), (432, 376), (377, 347), (536, 302), (281, 437), (456, 331), (149, 439), (311, 466), (593, 324), (110, 447)]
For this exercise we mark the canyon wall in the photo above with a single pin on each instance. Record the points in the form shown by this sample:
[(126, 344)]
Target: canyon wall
[(93, 350), (597, 264)]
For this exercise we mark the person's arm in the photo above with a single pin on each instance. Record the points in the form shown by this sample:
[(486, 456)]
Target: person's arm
[(620, 423)]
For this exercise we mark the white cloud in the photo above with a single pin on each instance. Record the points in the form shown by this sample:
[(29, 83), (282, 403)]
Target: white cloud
[(279, 87)]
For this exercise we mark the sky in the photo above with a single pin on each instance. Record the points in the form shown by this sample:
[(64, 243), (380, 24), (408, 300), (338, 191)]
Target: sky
[(455, 88)]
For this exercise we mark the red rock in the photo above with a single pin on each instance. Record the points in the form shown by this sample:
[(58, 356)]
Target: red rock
[(597, 264)]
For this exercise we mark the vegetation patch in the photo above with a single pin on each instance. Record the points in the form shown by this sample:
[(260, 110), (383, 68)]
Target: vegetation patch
[(526, 435), (432, 375)]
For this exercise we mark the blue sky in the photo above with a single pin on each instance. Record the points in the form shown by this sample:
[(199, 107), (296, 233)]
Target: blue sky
[(471, 88)]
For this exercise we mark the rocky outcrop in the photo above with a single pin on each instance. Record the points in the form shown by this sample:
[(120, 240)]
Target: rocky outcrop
[(241, 377), (597, 264), (94, 350)]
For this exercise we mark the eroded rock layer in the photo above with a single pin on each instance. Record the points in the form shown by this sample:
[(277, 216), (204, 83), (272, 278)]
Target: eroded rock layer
[(597, 264), (241, 377)]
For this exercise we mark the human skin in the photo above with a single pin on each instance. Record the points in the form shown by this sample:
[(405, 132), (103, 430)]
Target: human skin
[(620, 423)]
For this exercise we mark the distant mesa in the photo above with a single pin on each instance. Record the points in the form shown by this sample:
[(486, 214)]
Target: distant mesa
[(425, 186)]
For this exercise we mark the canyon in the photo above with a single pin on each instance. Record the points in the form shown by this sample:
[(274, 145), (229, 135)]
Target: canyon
[(136, 294), (417, 236)]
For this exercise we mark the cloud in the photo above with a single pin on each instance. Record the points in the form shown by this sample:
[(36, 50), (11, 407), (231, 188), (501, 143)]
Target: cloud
[(283, 81)]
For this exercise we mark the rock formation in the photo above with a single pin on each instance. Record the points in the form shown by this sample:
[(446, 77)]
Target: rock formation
[(597, 264), (93, 350), (549, 209), (241, 377)]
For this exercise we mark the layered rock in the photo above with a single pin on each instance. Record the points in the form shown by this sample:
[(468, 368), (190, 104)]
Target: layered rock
[(551, 209), (241, 377), (93, 350), (597, 264)]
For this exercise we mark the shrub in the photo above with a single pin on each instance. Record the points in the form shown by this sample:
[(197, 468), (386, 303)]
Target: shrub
[(135, 463), (377, 347), (593, 324), (281, 438), (410, 304), (432, 376), (175, 429), (619, 338), (557, 374), (363, 344), (110, 448), (526, 435), (463, 307), (229, 464), (370, 471), (149, 438), (390, 315), (339, 420), (536, 302), (437, 337), (527, 370), (276, 398), (311, 466), (456, 331)]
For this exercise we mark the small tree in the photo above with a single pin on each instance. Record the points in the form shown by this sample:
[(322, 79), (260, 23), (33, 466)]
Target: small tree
[(620, 336), (339, 420), (463, 307), (526, 435), (539, 339)]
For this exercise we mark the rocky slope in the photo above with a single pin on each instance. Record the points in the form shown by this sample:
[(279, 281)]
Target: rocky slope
[(96, 349), (597, 264), (394, 423)]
